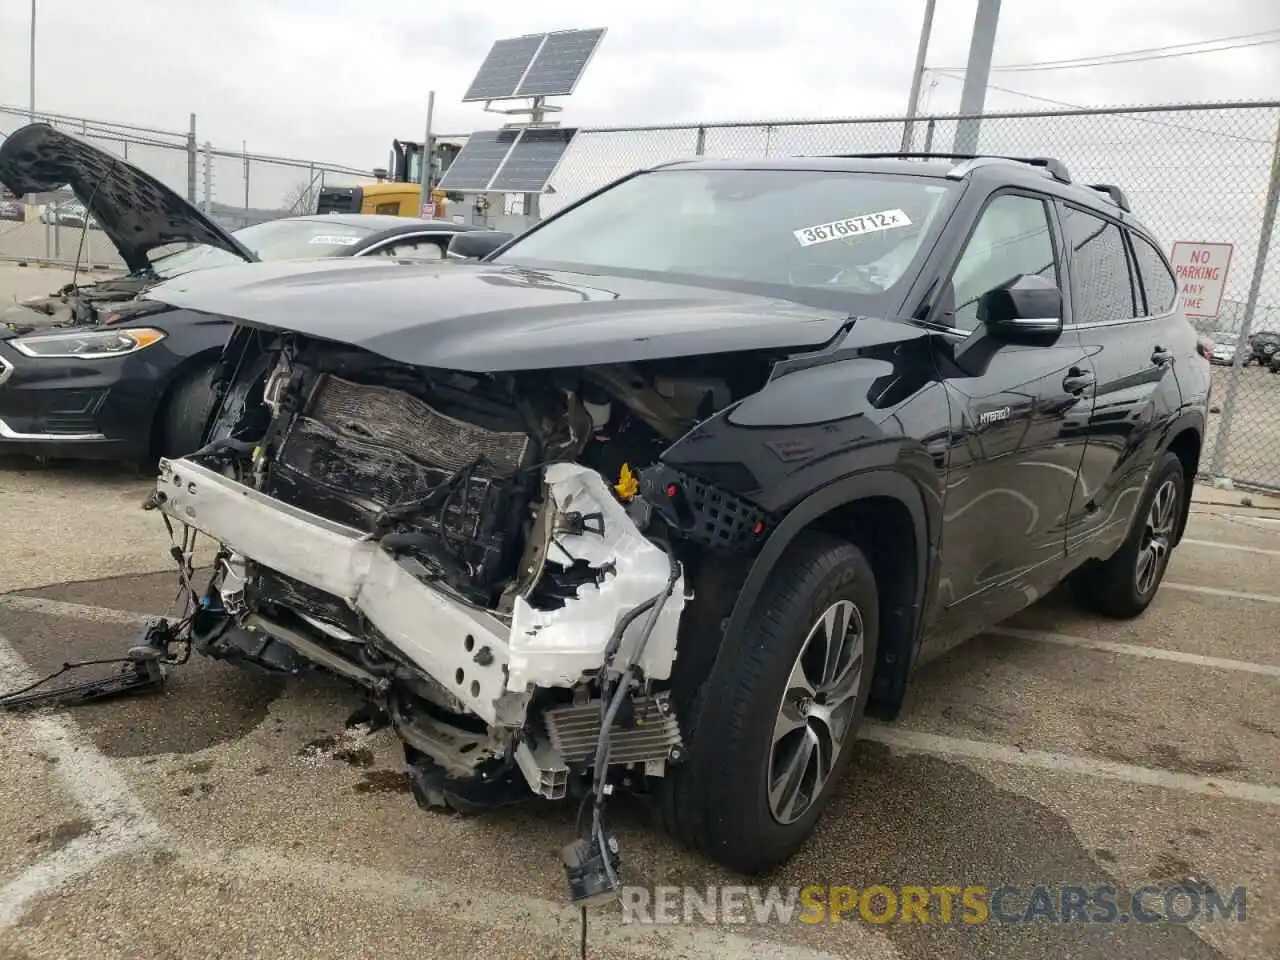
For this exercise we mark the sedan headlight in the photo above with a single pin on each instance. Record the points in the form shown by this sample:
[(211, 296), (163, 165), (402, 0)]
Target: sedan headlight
[(89, 344)]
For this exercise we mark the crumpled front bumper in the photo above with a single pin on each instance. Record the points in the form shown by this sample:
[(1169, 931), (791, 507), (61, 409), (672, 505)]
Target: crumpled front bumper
[(490, 666)]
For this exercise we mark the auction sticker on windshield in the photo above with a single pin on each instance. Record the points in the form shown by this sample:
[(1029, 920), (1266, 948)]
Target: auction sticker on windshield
[(335, 240), (851, 227)]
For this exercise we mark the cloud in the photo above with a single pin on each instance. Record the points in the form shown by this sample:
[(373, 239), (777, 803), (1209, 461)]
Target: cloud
[(338, 80)]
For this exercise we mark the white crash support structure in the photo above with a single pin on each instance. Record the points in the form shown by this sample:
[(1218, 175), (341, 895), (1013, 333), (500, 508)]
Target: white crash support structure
[(438, 633)]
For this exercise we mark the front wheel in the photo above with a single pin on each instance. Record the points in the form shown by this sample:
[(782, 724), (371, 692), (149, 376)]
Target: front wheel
[(1124, 585), (184, 412), (776, 719)]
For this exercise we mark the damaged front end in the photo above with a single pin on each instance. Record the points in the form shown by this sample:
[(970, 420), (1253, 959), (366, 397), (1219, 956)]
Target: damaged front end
[(498, 560)]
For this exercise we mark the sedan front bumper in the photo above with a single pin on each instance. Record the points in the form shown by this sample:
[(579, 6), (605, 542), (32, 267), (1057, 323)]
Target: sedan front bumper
[(99, 409)]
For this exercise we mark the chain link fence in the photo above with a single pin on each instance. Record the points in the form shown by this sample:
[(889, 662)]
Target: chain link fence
[(235, 187), (1195, 173)]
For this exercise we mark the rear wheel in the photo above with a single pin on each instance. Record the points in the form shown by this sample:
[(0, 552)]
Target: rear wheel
[(1124, 585), (184, 412), (776, 719)]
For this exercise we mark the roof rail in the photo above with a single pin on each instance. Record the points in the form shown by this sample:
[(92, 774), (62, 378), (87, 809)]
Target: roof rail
[(1055, 168), (1115, 193)]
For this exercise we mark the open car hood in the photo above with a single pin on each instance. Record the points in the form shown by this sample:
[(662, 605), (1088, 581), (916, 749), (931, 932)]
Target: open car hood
[(137, 212), (487, 318)]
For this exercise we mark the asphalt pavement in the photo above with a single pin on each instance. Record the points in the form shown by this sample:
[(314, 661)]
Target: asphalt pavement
[(233, 815)]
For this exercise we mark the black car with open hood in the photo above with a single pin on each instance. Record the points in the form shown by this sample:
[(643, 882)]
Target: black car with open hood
[(92, 371)]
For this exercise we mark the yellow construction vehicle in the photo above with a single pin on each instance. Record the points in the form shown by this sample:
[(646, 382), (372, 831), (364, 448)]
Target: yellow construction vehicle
[(397, 191)]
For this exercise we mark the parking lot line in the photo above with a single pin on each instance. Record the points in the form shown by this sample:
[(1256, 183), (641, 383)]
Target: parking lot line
[(1135, 650), (938, 745), (1221, 592), (1220, 545), (77, 611), (120, 823), (505, 908)]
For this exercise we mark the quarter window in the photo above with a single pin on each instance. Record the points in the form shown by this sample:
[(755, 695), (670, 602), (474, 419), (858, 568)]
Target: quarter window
[(1157, 281), (1011, 239), (1105, 289)]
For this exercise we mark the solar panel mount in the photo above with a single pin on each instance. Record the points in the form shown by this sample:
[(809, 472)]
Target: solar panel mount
[(534, 65)]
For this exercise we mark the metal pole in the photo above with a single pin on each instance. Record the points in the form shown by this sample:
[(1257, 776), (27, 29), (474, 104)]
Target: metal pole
[(532, 200), (191, 161), (974, 94), (208, 177), (917, 75), (1250, 306), (31, 82), (424, 205)]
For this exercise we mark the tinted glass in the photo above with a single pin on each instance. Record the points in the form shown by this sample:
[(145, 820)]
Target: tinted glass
[(798, 231), (1011, 239), (1104, 287), (271, 240), (1157, 281)]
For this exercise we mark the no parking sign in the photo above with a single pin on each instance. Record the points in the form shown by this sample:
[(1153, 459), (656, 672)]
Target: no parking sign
[(1201, 269)]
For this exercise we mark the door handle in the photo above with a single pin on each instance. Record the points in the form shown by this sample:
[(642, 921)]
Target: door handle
[(1161, 356), (1077, 380)]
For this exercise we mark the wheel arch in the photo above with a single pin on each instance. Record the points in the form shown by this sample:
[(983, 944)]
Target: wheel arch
[(871, 510), (1186, 442)]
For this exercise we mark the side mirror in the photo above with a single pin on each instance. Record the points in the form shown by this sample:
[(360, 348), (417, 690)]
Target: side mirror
[(1027, 309), (477, 244)]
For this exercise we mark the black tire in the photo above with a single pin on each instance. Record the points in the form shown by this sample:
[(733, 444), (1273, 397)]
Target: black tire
[(717, 800), (1117, 587), (183, 413)]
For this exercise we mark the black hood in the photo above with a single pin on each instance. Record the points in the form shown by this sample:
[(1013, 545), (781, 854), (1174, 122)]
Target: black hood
[(137, 212), (488, 318)]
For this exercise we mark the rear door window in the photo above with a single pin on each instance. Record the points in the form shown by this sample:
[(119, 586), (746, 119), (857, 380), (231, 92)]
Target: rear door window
[(1104, 284)]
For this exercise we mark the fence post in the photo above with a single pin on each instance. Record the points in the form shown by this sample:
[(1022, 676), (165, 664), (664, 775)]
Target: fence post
[(1251, 305), (245, 149), (191, 161), (928, 135), (208, 178), (700, 145)]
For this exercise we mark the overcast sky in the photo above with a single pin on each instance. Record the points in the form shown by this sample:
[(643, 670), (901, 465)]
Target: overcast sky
[(337, 80)]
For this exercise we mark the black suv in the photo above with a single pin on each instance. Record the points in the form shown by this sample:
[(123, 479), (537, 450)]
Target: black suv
[(1265, 347), (669, 492)]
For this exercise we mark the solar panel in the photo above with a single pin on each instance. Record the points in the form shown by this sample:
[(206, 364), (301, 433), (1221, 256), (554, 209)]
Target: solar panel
[(503, 68), (559, 64), (533, 160), (479, 160)]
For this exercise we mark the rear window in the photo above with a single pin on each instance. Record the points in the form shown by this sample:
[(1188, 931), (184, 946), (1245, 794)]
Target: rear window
[(797, 232)]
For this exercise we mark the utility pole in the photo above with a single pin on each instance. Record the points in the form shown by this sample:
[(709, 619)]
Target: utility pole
[(31, 62), (917, 75), (426, 164), (976, 75)]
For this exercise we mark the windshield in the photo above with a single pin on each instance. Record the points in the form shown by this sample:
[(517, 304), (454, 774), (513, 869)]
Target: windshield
[(272, 240), (795, 232)]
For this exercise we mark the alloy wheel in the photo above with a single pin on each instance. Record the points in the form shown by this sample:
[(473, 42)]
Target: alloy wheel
[(1157, 538), (817, 711)]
